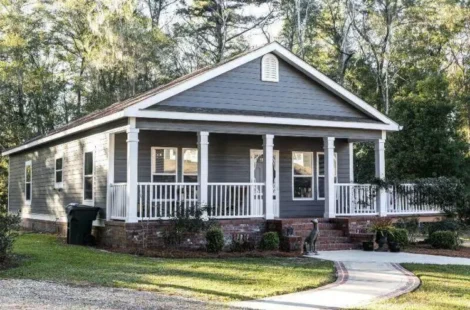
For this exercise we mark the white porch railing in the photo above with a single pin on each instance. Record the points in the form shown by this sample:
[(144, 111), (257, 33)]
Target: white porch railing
[(235, 200), (164, 200), (118, 204), (356, 199), (408, 200)]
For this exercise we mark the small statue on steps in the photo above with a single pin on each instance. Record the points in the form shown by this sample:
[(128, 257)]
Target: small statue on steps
[(311, 240)]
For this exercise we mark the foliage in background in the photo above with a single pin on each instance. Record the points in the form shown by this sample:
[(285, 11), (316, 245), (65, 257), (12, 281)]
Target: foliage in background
[(9, 227), (398, 235), (411, 225)]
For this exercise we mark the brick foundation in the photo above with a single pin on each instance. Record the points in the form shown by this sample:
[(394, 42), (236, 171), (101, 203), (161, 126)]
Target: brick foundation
[(133, 235), (43, 226)]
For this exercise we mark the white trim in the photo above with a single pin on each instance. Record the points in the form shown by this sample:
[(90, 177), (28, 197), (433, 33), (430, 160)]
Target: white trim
[(58, 185), (312, 176), (351, 162), (89, 202), (323, 175), (153, 158), (87, 125), (182, 164), (254, 152), (28, 163), (110, 174), (264, 76), (285, 54), (259, 120)]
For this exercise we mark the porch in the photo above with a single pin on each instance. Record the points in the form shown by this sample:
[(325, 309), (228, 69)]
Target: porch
[(176, 171)]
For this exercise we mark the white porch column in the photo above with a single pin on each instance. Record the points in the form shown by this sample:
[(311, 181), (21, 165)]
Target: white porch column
[(203, 168), (132, 173), (380, 174), (351, 162), (330, 200), (111, 149), (268, 152)]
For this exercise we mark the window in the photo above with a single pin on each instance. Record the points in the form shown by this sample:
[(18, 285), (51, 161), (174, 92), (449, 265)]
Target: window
[(302, 175), (28, 182), (190, 162), (270, 68), (88, 177), (59, 162), (164, 164), (321, 174)]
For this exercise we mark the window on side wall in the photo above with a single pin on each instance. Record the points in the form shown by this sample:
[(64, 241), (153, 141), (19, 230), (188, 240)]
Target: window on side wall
[(302, 175), (59, 174), (164, 164), (190, 165), (28, 183), (88, 177), (321, 174)]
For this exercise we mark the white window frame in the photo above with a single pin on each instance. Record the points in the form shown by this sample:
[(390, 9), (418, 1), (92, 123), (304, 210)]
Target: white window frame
[(182, 164), (303, 176), (322, 175), (265, 78), (28, 163), (89, 202), (152, 173), (58, 185)]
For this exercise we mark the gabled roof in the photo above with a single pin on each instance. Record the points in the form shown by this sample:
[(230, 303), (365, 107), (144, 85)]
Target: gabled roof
[(133, 107)]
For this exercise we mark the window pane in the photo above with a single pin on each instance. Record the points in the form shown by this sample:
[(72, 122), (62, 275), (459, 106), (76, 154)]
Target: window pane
[(190, 161), (164, 178), (28, 191), (302, 163), (28, 173), (165, 160), (302, 187), (58, 164), (321, 187), (88, 188), (58, 176), (321, 164), (89, 163), (190, 179)]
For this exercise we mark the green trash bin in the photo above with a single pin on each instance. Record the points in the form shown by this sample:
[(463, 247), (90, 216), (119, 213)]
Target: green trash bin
[(79, 223)]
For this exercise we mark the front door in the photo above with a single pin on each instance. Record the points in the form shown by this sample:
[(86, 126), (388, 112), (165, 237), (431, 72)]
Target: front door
[(257, 175)]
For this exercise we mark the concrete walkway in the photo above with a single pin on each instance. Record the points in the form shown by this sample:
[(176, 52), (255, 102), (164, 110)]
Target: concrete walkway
[(358, 283), (387, 257)]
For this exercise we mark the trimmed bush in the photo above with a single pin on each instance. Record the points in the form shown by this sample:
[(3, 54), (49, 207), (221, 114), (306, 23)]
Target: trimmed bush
[(398, 235), (444, 225), (215, 240), (9, 227), (444, 240), (270, 241)]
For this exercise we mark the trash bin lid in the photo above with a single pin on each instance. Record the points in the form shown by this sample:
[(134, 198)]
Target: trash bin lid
[(74, 207)]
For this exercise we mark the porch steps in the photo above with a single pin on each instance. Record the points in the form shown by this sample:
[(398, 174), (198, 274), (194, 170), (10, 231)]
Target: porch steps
[(332, 237)]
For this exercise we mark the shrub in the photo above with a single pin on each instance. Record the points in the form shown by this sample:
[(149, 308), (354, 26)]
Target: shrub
[(9, 226), (444, 240), (398, 235), (412, 227), (444, 225), (242, 243), (215, 240), (270, 241)]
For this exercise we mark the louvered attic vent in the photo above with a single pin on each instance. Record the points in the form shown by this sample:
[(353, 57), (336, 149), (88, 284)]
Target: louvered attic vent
[(270, 68)]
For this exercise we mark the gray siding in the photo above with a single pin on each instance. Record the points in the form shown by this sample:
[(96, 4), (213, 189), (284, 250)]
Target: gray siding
[(47, 200), (229, 161), (241, 89)]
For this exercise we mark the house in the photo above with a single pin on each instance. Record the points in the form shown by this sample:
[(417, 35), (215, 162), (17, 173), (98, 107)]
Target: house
[(260, 137)]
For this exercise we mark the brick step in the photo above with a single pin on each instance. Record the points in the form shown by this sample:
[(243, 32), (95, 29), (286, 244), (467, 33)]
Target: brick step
[(302, 220), (326, 239), (328, 232), (309, 226), (335, 246)]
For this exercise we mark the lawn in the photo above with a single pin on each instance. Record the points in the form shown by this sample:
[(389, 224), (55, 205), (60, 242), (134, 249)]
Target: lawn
[(443, 287), (207, 279)]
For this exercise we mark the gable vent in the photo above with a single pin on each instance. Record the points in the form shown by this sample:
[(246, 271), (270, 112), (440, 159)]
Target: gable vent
[(270, 68)]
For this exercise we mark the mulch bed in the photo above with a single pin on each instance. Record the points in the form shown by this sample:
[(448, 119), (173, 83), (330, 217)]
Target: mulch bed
[(427, 249), (178, 253)]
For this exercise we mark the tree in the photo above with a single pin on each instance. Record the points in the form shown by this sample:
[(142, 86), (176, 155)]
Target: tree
[(215, 29)]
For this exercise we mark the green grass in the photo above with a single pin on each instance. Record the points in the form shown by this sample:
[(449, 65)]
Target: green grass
[(443, 287), (207, 279)]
